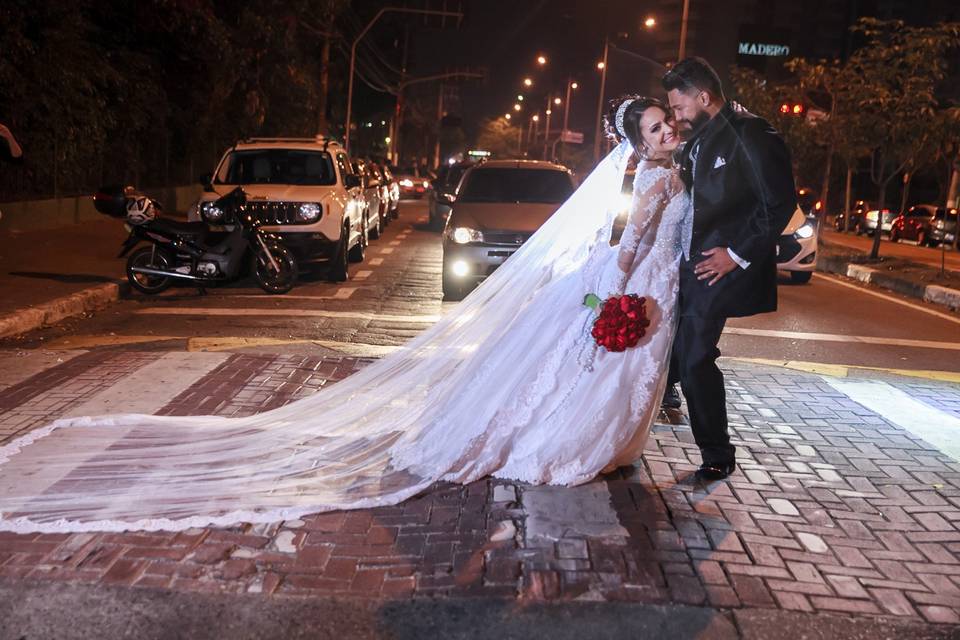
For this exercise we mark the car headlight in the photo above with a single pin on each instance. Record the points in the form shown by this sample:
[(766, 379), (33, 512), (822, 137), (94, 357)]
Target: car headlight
[(309, 212), (210, 212), (465, 235), (426, 185), (805, 231), (406, 183)]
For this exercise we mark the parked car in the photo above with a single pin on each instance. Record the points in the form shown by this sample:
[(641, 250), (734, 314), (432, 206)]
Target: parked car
[(857, 209), (444, 192), (375, 218), (913, 224), (302, 189), (499, 205), (412, 186), (944, 227), (797, 247), (391, 190), (869, 223)]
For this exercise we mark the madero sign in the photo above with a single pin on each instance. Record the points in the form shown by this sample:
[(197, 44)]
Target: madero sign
[(756, 49)]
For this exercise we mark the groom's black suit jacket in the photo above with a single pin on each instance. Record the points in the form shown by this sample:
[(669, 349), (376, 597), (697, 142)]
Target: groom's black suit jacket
[(743, 197)]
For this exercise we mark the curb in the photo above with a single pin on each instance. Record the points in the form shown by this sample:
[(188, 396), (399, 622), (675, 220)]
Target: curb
[(46, 313), (933, 293)]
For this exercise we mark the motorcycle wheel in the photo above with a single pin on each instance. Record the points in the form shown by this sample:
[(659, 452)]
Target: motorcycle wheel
[(145, 257), (279, 280)]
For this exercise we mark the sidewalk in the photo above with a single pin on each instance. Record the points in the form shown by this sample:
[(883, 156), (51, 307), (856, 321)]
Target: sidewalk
[(907, 270), (54, 274), (841, 522)]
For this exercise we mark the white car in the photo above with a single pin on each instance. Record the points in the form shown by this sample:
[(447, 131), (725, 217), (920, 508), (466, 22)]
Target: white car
[(797, 248), (302, 189)]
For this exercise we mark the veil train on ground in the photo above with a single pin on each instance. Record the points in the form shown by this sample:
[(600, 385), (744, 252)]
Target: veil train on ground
[(378, 437)]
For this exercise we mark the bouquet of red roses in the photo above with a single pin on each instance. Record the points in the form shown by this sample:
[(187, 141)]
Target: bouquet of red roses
[(621, 322)]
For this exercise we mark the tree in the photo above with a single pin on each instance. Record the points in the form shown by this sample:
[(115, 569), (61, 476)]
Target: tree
[(899, 68), (499, 137)]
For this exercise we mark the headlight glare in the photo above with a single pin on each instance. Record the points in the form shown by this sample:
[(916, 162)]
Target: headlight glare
[(466, 235), (309, 212), (805, 231), (210, 212)]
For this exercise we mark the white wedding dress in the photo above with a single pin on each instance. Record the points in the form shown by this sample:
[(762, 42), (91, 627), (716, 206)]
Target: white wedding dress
[(509, 383)]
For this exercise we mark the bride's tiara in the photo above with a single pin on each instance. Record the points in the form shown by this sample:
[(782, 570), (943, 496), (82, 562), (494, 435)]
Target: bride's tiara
[(621, 111)]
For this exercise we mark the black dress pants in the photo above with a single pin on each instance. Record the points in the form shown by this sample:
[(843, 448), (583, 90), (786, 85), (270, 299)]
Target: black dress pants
[(693, 363)]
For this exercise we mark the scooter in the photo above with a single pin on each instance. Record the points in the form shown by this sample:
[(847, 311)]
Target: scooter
[(179, 251)]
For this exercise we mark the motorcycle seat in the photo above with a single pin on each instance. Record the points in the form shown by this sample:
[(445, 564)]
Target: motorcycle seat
[(180, 228)]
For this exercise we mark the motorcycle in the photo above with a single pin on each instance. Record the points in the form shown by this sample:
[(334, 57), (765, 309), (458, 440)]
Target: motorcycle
[(180, 251)]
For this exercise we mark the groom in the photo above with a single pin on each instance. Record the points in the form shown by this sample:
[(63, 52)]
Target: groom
[(738, 172)]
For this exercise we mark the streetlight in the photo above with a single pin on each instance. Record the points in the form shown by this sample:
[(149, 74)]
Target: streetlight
[(541, 60), (571, 86), (520, 98), (517, 107), (557, 101), (527, 82), (353, 55), (507, 116), (602, 66), (650, 22)]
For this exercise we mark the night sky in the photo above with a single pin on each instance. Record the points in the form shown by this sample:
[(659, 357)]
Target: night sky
[(504, 38)]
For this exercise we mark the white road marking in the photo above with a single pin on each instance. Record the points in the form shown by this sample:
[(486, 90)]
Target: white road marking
[(889, 298), (362, 275), (343, 293), (386, 249), (17, 366), (832, 337), (394, 243), (300, 313), (376, 262), (939, 428), (138, 392)]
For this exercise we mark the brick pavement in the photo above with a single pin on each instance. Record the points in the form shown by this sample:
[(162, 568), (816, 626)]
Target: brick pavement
[(834, 510)]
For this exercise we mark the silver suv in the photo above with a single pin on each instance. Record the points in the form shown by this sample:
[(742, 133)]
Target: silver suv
[(302, 189)]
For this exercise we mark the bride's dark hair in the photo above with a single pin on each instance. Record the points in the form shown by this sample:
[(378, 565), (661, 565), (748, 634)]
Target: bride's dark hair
[(631, 119)]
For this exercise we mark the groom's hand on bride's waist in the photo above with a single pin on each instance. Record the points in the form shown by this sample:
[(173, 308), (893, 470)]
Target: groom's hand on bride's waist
[(715, 265)]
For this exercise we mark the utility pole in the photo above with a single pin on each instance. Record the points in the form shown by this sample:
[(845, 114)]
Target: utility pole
[(683, 31), (436, 148), (603, 88), (353, 55)]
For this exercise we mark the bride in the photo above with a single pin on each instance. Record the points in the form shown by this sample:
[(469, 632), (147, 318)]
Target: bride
[(509, 383)]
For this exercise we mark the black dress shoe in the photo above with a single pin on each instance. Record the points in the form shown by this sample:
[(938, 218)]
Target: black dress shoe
[(671, 398), (714, 472)]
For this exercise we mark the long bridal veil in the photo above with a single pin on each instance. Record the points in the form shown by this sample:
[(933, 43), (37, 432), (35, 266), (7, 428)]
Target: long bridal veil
[(378, 437)]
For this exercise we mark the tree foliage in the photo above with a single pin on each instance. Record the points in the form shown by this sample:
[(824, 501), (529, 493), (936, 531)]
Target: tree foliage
[(152, 91)]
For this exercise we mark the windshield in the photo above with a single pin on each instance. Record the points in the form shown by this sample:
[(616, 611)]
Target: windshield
[(277, 166), (509, 184)]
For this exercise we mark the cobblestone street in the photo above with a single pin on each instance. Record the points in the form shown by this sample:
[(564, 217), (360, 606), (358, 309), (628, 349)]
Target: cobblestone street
[(834, 510)]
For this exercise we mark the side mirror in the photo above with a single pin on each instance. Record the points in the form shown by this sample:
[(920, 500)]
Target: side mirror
[(351, 181), (206, 180)]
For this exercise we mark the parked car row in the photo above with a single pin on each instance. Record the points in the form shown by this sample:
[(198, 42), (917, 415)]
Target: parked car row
[(323, 205), (926, 224)]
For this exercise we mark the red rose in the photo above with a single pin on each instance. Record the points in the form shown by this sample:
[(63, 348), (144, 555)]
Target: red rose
[(622, 322)]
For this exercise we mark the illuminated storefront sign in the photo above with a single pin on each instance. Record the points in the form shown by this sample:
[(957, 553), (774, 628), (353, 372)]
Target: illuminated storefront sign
[(758, 49)]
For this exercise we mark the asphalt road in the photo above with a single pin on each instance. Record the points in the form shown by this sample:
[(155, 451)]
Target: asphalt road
[(395, 293)]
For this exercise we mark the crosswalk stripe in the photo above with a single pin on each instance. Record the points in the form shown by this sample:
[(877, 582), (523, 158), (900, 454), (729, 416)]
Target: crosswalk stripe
[(832, 337), (936, 427), (137, 393), (303, 313), (376, 262), (17, 366), (362, 275), (386, 250)]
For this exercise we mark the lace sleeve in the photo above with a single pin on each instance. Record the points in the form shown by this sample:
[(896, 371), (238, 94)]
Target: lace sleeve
[(650, 196)]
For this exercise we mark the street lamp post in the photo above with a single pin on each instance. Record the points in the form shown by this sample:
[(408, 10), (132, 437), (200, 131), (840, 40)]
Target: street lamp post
[(566, 110), (603, 88), (683, 30), (353, 56)]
